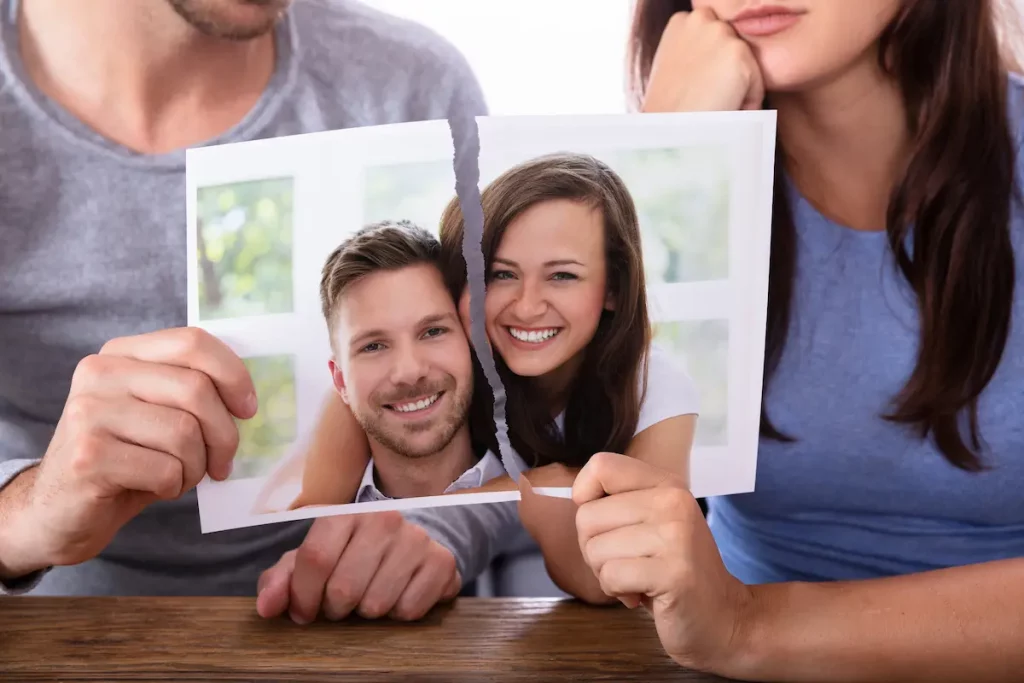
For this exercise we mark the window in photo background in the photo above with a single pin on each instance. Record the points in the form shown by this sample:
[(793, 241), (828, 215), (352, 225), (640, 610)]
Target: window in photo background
[(267, 436), (244, 249), (682, 202), (703, 345), (416, 192)]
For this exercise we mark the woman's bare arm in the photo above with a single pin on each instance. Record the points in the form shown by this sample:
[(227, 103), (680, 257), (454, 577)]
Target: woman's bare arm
[(336, 458), (958, 624)]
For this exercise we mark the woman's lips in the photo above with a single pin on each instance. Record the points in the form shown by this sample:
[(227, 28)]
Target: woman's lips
[(765, 21)]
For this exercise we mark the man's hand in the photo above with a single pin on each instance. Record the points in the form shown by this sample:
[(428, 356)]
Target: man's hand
[(376, 564), (701, 64), (146, 419), (644, 536)]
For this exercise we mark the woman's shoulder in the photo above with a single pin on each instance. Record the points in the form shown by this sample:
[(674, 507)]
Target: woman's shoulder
[(1015, 104), (670, 390), (1015, 108)]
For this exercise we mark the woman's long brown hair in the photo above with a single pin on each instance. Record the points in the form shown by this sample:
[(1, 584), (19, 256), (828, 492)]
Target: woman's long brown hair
[(953, 202), (603, 404)]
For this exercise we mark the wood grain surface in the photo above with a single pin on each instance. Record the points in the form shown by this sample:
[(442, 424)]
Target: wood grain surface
[(223, 639)]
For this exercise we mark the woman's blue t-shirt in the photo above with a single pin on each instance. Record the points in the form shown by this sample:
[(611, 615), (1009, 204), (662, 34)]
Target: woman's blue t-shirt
[(856, 496)]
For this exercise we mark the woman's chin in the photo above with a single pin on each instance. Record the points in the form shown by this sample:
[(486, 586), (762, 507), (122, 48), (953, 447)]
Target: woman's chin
[(530, 367)]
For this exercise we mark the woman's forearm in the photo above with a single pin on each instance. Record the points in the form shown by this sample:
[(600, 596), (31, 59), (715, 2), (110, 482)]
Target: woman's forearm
[(335, 459), (959, 624), (552, 524), (564, 560)]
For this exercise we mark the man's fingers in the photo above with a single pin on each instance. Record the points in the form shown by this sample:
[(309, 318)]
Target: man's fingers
[(113, 377), (402, 558), (273, 587), (191, 347), (612, 473), (315, 561), (360, 561), (119, 466), (436, 580), (152, 427)]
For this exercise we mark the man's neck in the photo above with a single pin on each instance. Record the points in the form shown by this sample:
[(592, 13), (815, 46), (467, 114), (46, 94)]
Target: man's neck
[(846, 144), (403, 477), (138, 73)]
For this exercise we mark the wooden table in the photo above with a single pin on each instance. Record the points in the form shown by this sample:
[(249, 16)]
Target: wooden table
[(223, 639)]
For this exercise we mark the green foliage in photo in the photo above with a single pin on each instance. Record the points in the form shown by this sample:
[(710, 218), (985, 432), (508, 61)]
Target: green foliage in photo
[(244, 248), (266, 437)]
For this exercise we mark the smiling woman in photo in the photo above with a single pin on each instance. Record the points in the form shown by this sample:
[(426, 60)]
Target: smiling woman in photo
[(566, 315)]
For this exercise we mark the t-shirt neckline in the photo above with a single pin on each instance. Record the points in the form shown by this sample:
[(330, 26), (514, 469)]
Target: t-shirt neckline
[(73, 130)]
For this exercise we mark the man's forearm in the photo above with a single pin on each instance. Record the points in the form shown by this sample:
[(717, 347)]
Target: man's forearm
[(474, 533), (15, 561), (960, 624)]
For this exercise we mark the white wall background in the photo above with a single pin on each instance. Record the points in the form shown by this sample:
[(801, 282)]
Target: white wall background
[(535, 56)]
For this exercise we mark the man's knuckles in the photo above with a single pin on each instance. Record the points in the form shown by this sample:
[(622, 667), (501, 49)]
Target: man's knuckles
[(384, 524), (316, 556), (89, 370), (341, 596)]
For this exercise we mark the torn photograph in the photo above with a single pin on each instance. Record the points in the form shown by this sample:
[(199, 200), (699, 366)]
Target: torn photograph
[(597, 284)]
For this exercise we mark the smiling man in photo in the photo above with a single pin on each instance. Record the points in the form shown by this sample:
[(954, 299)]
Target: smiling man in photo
[(402, 364)]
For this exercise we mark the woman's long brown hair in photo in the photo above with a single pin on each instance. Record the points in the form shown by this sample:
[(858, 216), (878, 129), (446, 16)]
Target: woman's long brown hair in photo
[(953, 202), (604, 396)]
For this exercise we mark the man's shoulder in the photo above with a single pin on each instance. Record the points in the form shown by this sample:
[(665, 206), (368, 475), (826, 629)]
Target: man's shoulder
[(345, 44), (352, 29)]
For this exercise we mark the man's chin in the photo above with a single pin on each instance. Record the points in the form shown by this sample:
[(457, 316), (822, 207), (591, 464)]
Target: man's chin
[(417, 449), (409, 444), (230, 19)]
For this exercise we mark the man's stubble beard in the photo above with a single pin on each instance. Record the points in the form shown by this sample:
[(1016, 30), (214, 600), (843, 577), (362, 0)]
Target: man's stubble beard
[(202, 15), (395, 440)]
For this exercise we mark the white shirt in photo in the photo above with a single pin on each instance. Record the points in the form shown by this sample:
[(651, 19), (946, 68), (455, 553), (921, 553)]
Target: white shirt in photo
[(671, 392)]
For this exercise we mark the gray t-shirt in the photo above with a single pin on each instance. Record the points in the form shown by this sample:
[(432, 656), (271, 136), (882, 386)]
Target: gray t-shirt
[(92, 247)]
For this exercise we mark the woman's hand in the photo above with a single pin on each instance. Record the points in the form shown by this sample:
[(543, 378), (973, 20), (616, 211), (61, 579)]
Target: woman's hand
[(701, 64), (645, 538)]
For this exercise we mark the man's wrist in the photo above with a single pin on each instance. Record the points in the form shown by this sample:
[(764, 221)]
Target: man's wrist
[(16, 556)]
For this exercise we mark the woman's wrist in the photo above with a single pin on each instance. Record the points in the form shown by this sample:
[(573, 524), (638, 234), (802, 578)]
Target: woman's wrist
[(742, 658), (769, 632)]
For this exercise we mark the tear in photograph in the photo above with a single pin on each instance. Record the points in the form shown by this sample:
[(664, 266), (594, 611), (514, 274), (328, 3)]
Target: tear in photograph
[(624, 280)]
